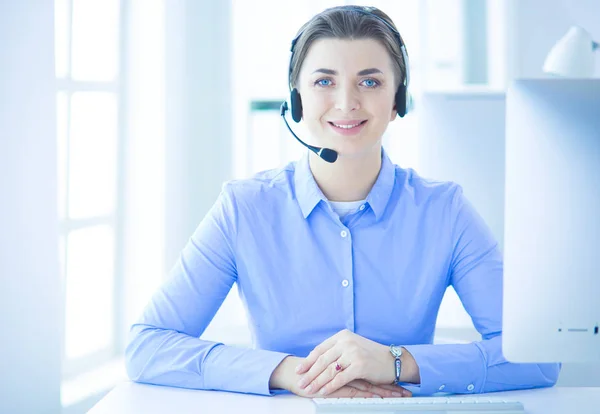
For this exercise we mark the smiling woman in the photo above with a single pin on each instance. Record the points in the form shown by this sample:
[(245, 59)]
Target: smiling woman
[(349, 100), (341, 263)]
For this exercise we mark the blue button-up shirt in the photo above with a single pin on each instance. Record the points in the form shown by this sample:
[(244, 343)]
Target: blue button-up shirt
[(304, 274)]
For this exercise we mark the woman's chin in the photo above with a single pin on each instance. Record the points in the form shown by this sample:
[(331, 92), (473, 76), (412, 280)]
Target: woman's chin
[(356, 151)]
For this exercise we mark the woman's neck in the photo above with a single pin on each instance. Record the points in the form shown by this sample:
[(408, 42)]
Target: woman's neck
[(347, 179)]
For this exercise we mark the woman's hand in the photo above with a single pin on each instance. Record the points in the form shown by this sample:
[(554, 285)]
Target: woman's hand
[(347, 357), (285, 377)]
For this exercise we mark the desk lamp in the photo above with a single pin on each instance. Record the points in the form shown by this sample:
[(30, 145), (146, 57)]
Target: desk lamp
[(573, 55)]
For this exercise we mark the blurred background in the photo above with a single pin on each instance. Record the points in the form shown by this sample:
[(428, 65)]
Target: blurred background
[(144, 108)]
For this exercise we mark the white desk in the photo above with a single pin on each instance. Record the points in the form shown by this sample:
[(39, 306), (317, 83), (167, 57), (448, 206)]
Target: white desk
[(130, 397)]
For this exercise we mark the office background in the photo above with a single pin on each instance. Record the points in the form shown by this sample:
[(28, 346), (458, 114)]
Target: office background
[(144, 107)]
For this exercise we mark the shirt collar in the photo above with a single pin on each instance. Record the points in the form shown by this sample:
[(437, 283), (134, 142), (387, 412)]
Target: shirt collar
[(309, 194), (380, 194)]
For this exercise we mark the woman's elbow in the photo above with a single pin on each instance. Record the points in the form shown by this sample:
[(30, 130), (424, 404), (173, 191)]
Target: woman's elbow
[(549, 374), (137, 352)]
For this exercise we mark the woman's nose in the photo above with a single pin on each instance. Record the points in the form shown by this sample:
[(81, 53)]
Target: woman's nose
[(347, 99)]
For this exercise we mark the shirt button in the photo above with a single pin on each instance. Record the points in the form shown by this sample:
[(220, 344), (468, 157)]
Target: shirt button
[(471, 387), (362, 207), (345, 283), (442, 387), (344, 233)]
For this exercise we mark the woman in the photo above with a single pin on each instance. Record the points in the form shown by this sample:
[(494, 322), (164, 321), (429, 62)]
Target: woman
[(336, 261)]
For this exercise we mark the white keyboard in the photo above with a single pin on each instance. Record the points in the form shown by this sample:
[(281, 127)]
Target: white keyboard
[(453, 405)]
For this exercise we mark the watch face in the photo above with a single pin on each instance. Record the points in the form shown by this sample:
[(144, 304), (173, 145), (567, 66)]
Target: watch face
[(396, 351)]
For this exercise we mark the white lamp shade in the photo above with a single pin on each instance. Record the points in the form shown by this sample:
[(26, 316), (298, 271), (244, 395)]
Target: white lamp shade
[(572, 56)]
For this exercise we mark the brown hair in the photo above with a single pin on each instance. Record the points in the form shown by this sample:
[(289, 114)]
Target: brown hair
[(342, 22)]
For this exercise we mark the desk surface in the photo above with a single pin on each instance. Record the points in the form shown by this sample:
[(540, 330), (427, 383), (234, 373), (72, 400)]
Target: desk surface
[(130, 397)]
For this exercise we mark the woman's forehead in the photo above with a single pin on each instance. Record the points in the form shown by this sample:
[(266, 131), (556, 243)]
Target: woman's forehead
[(344, 55)]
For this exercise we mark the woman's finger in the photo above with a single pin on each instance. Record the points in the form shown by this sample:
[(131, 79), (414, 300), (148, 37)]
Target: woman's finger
[(351, 392), (314, 355), (384, 390), (319, 371), (397, 388), (332, 380)]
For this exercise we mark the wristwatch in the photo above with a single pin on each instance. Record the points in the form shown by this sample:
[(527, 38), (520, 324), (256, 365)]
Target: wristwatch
[(397, 353)]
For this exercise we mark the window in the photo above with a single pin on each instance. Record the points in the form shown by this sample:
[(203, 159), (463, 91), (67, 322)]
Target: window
[(110, 77), (88, 96)]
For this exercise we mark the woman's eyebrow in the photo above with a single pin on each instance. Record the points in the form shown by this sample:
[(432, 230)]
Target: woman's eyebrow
[(363, 72), (368, 71)]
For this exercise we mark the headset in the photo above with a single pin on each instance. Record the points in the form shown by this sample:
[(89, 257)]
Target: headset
[(402, 97)]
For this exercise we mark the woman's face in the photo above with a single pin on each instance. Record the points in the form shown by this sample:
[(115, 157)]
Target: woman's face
[(347, 90)]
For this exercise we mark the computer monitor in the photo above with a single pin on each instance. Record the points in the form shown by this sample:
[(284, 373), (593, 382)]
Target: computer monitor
[(551, 308), (461, 139)]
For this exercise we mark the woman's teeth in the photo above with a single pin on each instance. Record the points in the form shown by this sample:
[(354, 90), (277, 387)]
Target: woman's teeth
[(347, 126)]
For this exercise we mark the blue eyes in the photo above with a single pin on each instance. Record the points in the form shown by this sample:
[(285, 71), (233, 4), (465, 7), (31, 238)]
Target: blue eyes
[(369, 83)]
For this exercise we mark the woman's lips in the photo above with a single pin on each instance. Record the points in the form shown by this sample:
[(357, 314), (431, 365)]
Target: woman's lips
[(347, 129)]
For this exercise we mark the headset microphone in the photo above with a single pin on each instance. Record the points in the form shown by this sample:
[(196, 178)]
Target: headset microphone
[(326, 154)]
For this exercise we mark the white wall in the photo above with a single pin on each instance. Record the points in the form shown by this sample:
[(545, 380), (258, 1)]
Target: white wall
[(535, 26), (199, 115), (30, 304)]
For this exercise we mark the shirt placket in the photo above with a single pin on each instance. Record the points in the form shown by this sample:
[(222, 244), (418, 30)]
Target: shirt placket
[(347, 280)]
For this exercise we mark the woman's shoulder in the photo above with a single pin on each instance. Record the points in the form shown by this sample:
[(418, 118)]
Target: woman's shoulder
[(263, 184), (421, 187)]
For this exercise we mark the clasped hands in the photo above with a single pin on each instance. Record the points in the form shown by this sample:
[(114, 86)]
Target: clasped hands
[(344, 365)]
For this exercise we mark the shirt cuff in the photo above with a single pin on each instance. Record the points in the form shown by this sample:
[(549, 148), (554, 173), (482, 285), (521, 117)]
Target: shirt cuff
[(449, 368), (229, 368)]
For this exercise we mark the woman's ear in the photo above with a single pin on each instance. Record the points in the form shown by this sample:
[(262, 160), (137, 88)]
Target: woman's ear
[(393, 114)]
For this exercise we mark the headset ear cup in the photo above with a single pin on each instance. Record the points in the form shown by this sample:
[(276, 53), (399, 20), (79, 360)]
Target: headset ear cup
[(401, 101), (296, 105)]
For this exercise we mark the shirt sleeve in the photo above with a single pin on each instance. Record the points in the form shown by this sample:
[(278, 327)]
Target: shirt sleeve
[(476, 273), (164, 346)]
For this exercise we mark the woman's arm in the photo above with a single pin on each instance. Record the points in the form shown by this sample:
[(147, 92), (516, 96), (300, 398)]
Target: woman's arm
[(164, 345), (476, 274)]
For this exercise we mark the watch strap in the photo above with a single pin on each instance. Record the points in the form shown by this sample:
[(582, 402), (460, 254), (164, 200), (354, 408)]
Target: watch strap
[(397, 364)]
